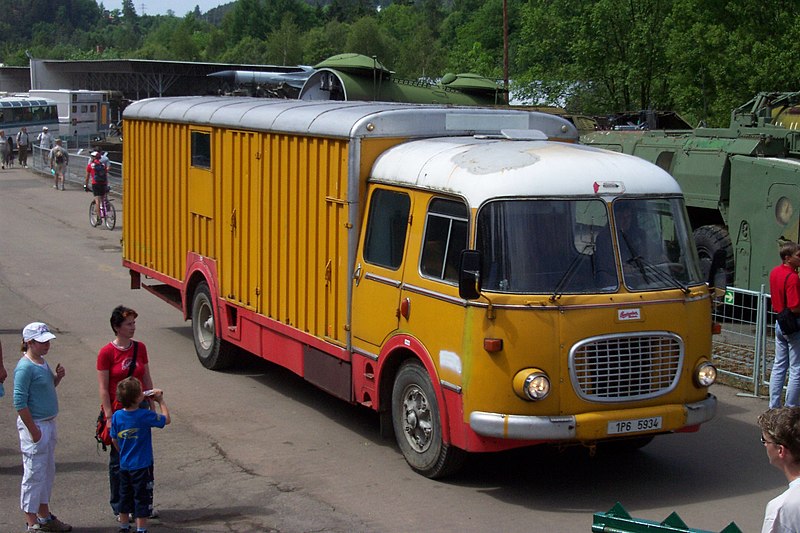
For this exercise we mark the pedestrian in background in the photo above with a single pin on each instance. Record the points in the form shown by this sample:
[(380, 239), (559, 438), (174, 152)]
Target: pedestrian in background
[(3, 373), (780, 435), (36, 403), (784, 288), (23, 141), (10, 151), (3, 148), (45, 141), (59, 159)]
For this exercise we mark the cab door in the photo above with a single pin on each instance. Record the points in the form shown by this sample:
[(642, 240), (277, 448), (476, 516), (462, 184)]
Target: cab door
[(378, 275)]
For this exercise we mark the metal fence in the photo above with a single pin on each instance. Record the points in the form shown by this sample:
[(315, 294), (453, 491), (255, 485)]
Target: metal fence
[(745, 349), (76, 169)]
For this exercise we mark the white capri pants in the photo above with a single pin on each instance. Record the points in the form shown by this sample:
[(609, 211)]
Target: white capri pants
[(39, 464)]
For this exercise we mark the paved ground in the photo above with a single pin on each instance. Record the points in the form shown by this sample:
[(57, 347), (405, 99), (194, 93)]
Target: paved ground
[(257, 449)]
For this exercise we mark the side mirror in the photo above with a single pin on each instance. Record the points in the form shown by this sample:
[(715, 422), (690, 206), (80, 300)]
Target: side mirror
[(469, 275)]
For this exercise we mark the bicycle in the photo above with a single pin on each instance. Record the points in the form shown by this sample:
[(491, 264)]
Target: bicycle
[(108, 212)]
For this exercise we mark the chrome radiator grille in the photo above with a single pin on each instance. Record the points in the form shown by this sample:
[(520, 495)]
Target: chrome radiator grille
[(616, 368)]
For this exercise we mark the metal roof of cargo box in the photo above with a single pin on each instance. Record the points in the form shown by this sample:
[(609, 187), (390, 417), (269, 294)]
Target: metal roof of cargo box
[(345, 119)]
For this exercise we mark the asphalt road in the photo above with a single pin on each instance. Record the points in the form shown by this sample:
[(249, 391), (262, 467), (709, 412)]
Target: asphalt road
[(258, 449)]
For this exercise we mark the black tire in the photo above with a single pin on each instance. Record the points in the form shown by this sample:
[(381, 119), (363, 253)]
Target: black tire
[(709, 239), (417, 424), (94, 219), (213, 352), (111, 216)]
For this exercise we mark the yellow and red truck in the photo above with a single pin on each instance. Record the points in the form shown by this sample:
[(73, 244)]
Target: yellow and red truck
[(476, 276)]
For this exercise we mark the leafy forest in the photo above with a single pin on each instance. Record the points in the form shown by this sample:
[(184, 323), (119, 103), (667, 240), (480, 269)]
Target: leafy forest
[(700, 58)]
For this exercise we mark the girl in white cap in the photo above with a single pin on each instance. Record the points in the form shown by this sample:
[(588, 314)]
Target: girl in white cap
[(37, 406)]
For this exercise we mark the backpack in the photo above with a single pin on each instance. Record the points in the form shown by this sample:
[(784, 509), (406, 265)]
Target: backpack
[(100, 173), (59, 156)]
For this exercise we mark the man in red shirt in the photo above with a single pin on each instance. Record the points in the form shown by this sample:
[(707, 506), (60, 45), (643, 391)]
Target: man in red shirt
[(784, 285)]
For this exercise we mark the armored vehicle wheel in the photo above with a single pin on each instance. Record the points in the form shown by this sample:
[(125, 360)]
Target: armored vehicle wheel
[(709, 239)]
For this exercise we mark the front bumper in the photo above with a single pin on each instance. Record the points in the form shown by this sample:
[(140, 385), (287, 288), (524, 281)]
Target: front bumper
[(588, 426)]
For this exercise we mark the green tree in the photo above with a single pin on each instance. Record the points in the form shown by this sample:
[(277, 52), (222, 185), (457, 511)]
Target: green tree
[(324, 42), (368, 38), (248, 50), (416, 50), (598, 56), (283, 45), (248, 19), (349, 10), (722, 53), (473, 34)]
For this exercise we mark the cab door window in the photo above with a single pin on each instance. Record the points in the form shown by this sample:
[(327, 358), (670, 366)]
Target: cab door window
[(446, 232), (387, 227)]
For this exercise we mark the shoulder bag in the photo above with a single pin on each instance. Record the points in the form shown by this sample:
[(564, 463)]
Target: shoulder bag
[(786, 319)]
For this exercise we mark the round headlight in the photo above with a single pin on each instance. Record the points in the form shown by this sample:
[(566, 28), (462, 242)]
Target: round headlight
[(537, 386), (705, 374), (531, 384)]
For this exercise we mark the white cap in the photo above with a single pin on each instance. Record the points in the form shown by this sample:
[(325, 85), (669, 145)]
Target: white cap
[(37, 331), (44, 129), (95, 154)]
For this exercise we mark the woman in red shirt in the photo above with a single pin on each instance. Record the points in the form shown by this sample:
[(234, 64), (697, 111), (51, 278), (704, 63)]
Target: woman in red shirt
[(120, 358)]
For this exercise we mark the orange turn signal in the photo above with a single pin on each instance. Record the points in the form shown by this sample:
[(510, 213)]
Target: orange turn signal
[(492, 345)]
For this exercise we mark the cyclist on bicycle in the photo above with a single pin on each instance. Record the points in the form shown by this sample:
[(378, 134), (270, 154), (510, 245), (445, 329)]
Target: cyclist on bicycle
[(98, 171)]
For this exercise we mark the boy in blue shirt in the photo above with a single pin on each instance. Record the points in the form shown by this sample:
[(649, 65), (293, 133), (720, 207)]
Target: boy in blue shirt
[(130, 433)]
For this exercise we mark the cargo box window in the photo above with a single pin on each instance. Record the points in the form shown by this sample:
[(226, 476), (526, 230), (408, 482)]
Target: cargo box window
[(386, 228), (201, 149), (446, 229)]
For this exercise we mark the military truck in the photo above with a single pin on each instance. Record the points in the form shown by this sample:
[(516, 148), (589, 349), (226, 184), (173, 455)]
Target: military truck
[(741, 183)]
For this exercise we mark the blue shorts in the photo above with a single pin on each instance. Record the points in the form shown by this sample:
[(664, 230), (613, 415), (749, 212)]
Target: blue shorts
[(136, 492)]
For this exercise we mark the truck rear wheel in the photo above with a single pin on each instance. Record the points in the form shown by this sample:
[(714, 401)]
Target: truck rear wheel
[(417, 424), (709, 239), (213, 352)]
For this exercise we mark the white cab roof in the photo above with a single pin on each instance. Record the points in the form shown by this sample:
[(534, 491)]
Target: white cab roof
[(481, 169)]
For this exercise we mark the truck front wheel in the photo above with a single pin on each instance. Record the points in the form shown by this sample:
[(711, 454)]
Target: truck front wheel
[(213, 352), (417, 424)]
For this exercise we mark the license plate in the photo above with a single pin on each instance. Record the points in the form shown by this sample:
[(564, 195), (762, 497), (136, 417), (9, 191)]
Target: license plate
[(634, 426)]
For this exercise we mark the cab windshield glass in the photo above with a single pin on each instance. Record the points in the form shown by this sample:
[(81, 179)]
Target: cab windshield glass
[(559, 246)]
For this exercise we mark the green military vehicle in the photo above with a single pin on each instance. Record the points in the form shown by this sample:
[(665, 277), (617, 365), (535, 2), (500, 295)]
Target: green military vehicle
[(742, 183)]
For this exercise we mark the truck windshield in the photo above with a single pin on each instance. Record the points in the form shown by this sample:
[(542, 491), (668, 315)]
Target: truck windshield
[(654, 246), (565, 246)]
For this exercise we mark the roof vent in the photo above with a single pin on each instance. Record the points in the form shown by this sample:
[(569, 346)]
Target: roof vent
[(524, 135)]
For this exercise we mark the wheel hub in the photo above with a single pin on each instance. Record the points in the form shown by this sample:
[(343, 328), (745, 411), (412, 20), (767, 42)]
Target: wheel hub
[(417, 424)]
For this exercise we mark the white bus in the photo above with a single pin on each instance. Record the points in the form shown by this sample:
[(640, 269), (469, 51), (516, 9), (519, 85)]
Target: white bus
[(81, 112), (23, 111)]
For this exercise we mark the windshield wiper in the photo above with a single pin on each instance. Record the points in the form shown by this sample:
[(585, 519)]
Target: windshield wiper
[(644, 266), (567, 276)]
